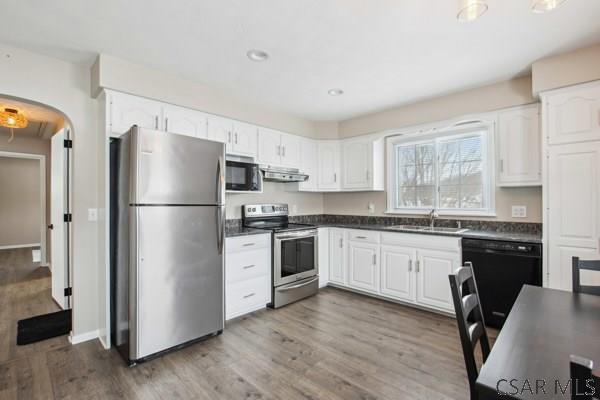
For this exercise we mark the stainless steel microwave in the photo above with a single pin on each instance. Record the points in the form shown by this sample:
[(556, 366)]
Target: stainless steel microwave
[(242, 177)]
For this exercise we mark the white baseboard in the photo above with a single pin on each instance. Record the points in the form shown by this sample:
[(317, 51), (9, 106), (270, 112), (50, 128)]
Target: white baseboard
[(83, 337), (19, 246), (100, 337)]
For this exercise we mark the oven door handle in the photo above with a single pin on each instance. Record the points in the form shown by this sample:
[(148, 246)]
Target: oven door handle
[(289, 236), (285, 289)]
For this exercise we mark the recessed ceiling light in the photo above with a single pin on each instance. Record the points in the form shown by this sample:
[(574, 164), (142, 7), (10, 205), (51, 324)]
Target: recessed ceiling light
[(541, 6), (335, 92), (257, 55)]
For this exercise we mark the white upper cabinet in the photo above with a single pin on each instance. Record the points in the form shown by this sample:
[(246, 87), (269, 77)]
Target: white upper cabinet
[(363, 164), (185, 121), (290, 150), (278, 148), (126, 111), (309, 165), (574, 115), (269, 146), (329, 166), (221, 130), (245, 139), (519, 147)]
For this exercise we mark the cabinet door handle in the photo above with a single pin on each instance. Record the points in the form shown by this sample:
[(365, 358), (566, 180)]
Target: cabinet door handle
[(501, 165), (156, 122), (249, 266), (417, 266), (236, 135), (229, 137), (249, 295), (334, 177), (341, 243), (374, 259), (410, 265), (278, 150), (368, 175), (167, 124), (283, 151)]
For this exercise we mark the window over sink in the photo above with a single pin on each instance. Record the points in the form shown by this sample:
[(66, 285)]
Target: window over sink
[(450, 172)]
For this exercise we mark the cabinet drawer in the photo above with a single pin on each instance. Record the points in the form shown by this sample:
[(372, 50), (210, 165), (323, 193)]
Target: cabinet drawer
[(244, 265), (251, 242), (246, 296), (363, 236)]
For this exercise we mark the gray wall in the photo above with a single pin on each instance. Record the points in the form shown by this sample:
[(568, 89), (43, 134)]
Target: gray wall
[(20, 215)]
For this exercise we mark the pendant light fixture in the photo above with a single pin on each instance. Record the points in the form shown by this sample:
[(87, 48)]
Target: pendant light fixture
[(10, 118), (470, 10), (542, 6)]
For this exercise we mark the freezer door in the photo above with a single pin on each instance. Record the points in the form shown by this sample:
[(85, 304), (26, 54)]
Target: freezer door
[(179, 272), (176, 169)]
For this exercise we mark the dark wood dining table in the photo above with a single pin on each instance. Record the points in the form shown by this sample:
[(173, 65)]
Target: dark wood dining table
[(530, 358)]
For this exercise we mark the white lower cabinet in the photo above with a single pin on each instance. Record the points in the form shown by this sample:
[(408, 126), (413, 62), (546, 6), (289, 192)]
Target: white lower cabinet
[(337, 264), (363, 266), (247, 274), (411, 268), (433, 287), (397, 278)]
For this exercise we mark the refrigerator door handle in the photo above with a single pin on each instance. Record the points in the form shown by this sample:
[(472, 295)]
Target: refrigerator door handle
[(220, 228), (220, 181)]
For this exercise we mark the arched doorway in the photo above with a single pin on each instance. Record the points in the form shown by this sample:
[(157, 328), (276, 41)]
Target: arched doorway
[(47, 138)]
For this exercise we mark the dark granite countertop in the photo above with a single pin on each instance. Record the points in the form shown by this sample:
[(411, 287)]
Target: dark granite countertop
[(233, 231), (472, 234)]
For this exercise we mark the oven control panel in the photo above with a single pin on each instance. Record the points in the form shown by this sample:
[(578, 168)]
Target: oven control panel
[(264, 210)]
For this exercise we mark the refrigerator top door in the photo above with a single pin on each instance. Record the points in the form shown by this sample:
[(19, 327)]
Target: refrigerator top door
[(171, 169)]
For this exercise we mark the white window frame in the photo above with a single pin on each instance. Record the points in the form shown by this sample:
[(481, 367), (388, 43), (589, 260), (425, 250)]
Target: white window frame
[(435, 134)]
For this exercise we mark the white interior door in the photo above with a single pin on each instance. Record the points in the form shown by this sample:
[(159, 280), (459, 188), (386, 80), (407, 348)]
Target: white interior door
[(58, 236)]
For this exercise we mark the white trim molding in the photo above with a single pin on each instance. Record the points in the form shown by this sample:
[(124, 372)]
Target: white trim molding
[(83, 337)]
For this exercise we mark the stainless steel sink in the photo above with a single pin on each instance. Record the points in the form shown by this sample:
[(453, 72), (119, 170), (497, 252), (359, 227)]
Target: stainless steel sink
[(417, 228)]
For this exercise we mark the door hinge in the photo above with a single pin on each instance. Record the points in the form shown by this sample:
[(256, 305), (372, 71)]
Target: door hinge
[(68, 144), (68, 217), (68, 291)]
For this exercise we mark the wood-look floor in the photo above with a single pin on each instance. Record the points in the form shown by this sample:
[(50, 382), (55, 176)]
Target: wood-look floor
[(336, 345)]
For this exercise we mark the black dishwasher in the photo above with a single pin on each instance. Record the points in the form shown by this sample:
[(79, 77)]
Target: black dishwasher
[(501, 268)]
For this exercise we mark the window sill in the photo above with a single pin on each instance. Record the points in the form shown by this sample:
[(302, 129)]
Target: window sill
[(442, 213)]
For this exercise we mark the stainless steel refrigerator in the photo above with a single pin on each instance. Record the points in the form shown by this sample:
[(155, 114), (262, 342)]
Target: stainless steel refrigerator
[(167, 233)]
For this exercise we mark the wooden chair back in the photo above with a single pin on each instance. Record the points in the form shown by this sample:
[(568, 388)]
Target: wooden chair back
[(469, 317), (578, 265)]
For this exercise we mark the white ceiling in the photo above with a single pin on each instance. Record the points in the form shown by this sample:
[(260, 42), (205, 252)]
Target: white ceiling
[(43, 122), (382, 53)]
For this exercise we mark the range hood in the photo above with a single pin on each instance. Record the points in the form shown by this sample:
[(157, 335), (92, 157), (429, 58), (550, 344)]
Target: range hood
[(276, 174)]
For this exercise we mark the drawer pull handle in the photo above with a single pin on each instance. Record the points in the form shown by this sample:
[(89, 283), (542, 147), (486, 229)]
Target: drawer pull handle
[(249, 266), (249, 295), (248, 244), (361, 237)]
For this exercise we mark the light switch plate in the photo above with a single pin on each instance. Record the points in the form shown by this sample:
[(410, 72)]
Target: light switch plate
[(519, 211), (92, 214), (371, 208)]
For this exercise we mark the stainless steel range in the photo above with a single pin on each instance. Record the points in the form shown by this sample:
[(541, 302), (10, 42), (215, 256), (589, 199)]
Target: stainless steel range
[(295, 252)]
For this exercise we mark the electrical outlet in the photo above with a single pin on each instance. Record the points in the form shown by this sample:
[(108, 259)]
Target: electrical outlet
[(371, 208), (92, 214), (519, 211)]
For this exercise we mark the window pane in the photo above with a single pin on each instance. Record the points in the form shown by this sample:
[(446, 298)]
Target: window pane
[(450, 174), (425, 174), (472, 173), (406, 155), (425, 196), (449, 152), (449, 196), (406, 176), (470, 149), (425, 153), (471, 197), (406, 197)]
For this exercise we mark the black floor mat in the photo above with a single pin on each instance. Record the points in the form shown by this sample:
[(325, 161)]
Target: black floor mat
[(43, 327)]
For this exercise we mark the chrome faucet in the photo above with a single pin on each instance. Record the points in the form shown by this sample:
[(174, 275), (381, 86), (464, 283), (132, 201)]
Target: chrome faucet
[(432, 216)]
